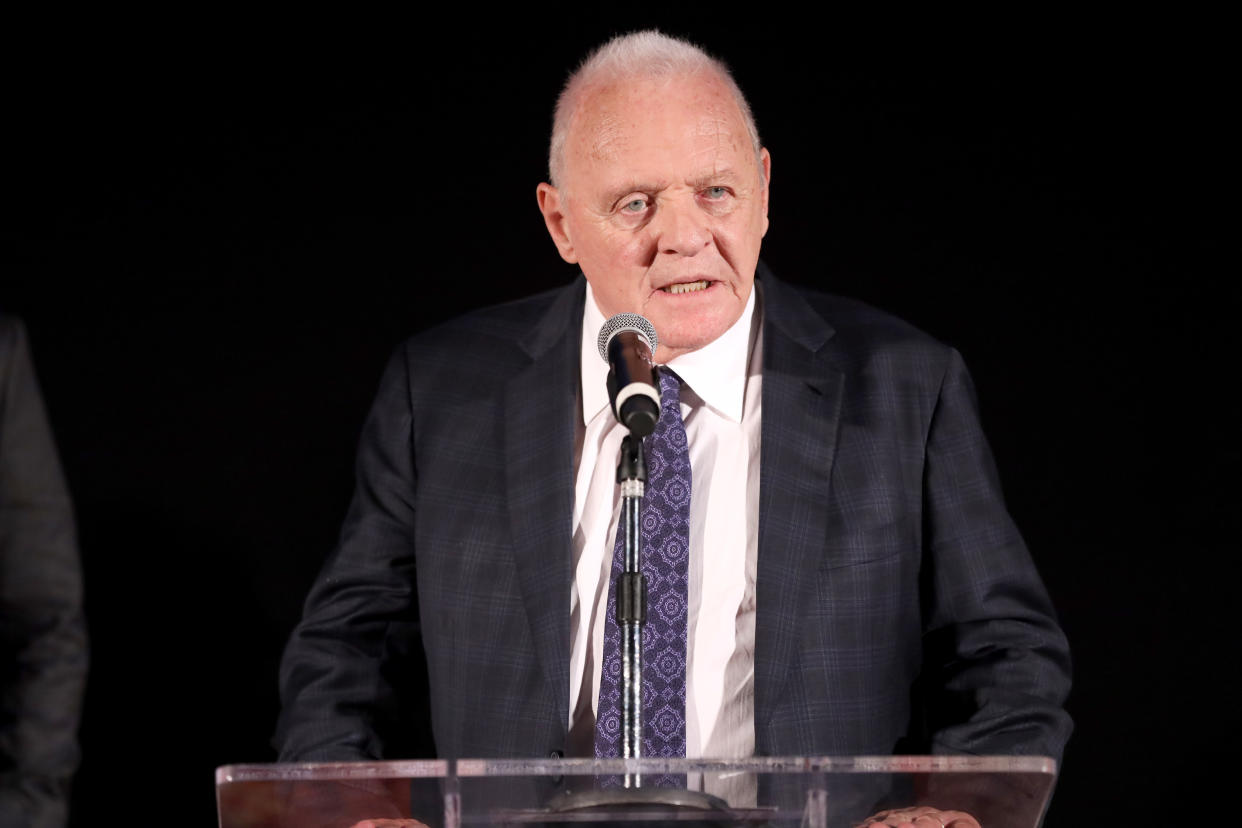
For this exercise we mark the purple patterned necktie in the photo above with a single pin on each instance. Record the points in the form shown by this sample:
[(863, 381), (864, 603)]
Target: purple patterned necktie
[(665, 521)]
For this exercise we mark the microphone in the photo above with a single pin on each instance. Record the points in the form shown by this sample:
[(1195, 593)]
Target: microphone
[(627, 342)]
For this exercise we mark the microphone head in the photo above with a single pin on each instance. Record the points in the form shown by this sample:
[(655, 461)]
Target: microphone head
[(626, 322)]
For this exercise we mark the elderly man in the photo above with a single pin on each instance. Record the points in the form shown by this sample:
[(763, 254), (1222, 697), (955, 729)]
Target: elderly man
[(852, 583)]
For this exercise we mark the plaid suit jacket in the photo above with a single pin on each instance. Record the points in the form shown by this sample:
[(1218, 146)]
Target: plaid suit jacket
[(897, 608)]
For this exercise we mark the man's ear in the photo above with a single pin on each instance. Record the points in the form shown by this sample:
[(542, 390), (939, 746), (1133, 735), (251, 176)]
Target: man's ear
[(765, 158), (552, 205)]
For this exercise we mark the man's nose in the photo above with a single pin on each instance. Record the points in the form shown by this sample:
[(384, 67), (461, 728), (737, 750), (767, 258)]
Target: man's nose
[(682, 228)]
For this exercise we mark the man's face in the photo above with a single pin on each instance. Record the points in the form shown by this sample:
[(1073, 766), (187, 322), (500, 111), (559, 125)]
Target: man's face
[(663, 205)]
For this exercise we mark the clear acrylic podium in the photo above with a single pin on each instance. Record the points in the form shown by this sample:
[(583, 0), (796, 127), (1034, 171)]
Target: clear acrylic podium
[(816, 792)]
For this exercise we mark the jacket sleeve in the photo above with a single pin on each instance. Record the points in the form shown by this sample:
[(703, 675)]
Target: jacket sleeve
[(42, 628), (347, 665), (996, 664)]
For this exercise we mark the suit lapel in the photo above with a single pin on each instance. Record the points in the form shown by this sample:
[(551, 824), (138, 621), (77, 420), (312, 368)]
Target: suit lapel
[(801, 409), (539, 438)]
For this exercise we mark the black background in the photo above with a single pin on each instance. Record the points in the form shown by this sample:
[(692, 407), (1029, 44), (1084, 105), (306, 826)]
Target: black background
[(215, 249)]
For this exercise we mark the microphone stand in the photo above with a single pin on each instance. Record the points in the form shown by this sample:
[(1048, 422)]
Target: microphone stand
[(632, 799), (631, 600)]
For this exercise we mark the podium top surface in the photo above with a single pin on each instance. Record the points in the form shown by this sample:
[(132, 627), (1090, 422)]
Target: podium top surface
[(442, 768)]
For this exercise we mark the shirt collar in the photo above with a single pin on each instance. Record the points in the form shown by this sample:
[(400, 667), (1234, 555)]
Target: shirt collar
[(716, 372)]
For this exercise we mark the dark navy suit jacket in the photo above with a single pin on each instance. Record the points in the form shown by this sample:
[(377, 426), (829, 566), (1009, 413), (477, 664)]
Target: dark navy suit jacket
[(897, 608)]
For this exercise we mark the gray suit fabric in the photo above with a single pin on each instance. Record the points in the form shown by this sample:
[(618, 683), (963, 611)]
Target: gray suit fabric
[(898, 610), (43, 650)]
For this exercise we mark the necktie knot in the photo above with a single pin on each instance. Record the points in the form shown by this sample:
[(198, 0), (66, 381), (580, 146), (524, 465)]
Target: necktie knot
[(670, 390), (670, 430)]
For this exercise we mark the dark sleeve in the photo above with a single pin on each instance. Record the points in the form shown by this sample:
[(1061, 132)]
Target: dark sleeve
[(42, 629), (996, 664), (344, 670)]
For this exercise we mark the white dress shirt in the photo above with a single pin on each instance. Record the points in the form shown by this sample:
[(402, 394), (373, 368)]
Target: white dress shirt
[(720, 403)]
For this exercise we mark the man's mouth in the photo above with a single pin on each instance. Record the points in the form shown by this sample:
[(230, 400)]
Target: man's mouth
[(687, 287)]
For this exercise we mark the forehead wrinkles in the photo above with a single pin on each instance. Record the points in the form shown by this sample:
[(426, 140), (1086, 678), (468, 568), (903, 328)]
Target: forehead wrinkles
[(715, 135), (607, 137), (597, 125)]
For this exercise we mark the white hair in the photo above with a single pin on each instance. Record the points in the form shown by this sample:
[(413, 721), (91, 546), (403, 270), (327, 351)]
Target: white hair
[(646, 54)]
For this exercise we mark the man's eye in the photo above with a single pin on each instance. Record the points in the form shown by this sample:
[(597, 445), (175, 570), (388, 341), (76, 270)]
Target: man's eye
[(636, 205), (716, 192)]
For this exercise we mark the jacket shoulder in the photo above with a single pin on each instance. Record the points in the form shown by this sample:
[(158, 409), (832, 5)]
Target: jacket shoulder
[(495, 328), (473, 356), (862, 338)]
